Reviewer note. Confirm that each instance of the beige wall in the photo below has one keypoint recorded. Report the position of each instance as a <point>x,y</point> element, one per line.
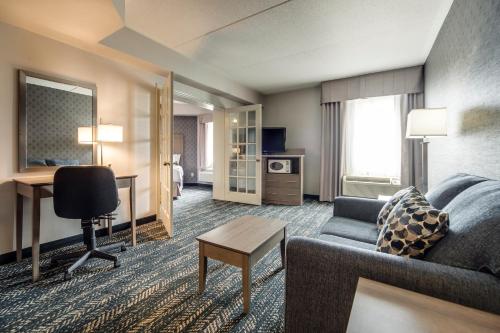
<point>125,96</point>
<point>300,112</point>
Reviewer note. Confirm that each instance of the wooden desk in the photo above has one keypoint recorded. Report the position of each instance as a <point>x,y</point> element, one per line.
<point>383,308</point>
<point>35,188</point>
<point>242,243</point>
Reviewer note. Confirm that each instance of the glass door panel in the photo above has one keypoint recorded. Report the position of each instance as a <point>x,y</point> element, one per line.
<point>252,151</point>
<point>242,185</point>
<point>242,152</point>
<point>251,118</point>
<point>252,135</point>
<point>243,182</point>
<point>233,181</point>
<point>242,169</point>
<point>251,186</point>
<point>233,169</point>
<point>242,135</point>
<point>251,169</point>
<point>242,120</point>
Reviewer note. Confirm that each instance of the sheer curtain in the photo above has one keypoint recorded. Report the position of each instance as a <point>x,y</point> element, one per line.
<point>373,137</point>
<point>332,140</point>
<point>209,146</point>
<point>205,142</point>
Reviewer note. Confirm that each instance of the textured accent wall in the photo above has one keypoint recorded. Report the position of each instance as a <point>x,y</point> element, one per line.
<point>53,118</point>
<point>462,73</point>
<point>188,127</point>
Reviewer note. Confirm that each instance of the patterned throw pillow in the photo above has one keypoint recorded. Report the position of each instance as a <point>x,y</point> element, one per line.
<point>412,227</point>
<point>389,205</point>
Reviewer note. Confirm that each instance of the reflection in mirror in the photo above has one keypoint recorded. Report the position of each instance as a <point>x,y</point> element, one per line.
<point>54,116</point>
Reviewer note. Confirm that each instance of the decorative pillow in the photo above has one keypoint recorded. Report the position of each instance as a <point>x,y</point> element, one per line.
<point>389,205</point>
<point>412,227</point>
<point>176,158</point>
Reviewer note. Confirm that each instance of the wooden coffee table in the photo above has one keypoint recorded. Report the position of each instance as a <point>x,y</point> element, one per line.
<point>242,243</point>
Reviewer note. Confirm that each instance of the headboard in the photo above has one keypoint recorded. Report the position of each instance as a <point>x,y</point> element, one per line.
<point>179,145</point>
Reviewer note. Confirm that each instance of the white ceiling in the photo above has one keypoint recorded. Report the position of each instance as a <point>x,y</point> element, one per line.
<point>232,45</point>
<point>186,109</point>
<point>276,45</point>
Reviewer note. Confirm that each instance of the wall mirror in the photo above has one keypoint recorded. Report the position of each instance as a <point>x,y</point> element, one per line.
<point>57,121</point>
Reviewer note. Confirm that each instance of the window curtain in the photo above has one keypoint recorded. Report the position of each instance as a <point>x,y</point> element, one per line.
<point>202,120</point>
<point>332,146</point>
<point>411,149</point>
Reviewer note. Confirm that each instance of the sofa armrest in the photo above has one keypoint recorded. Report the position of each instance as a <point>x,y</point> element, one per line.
<point>363,209</point>
<point>321,280</point>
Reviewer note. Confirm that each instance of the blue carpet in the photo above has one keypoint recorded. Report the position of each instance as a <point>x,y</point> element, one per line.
<point>155,289</point>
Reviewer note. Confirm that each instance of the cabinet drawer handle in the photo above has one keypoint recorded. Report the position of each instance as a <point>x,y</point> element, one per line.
<point>291,195</point>
<point>291,181</point>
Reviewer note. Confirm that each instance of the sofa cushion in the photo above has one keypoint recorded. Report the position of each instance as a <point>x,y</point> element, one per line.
<point>413,227</point>
<point>444,192</point>
<point>346,241</point>
<point>389,205</point>
<point>353,229</point>
<point>473,241</point>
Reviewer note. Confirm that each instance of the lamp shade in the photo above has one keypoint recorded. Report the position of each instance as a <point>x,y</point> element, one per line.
<point>426,123</point>
<point>85,135</point>
<point>109,133</point>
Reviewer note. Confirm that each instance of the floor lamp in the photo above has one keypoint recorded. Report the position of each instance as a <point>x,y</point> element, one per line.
<point>424,124</point>
<point>108,133</point>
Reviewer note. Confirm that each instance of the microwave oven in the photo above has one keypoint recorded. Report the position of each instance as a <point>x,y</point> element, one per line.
<point>279,165</point>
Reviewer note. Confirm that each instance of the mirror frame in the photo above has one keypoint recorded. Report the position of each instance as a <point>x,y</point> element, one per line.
<point>22,118</point>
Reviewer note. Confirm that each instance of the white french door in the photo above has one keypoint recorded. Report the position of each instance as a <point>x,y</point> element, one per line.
<point>242,151</point>
<point>165,144</point>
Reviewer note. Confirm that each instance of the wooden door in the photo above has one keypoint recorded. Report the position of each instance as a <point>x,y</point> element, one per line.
<point>243,176</point>
<point>165,144</point>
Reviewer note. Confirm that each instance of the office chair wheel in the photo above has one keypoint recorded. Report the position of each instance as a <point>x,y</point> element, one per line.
<point>117,264</point>
<point>123,248</point>
<point>68,276</point>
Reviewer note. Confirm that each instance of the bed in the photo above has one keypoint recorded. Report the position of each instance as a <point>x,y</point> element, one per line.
<point>177,170</point>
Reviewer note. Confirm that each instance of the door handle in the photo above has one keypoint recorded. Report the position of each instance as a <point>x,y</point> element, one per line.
<point>166,164</point>
<point>257,160</point>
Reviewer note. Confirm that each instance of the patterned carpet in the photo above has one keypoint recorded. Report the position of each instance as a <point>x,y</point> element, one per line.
<point>155,289</point>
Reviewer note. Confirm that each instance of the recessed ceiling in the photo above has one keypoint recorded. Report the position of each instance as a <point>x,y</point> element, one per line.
<point>274,46</point>
<point>174,22</point>
<point>186,109</point>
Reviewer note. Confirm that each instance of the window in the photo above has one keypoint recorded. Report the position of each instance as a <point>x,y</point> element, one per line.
<point>209,146</point>
<point>373,137</point>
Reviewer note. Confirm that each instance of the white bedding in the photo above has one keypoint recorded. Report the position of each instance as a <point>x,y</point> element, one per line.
<point>178,174</point>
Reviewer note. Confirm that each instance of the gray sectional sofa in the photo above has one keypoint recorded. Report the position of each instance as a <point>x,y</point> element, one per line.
<point>464,267</point>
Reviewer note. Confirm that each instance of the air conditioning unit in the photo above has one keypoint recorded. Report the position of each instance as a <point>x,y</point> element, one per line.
<point>369,187</point>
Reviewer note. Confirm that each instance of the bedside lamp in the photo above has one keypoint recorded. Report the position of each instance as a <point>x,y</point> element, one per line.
<point>108,133</point>
<point>424,124</point>
<point>85,135</point>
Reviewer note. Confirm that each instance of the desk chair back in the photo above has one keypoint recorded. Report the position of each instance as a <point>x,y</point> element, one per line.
<point>84,192</point>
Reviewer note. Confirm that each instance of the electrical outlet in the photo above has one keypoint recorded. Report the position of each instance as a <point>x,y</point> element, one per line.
<point>192,174</point>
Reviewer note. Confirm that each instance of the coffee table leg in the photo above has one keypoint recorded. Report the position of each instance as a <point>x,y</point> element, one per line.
<point>247,283</point>
<point>203,269</point>
<point>282,247</point>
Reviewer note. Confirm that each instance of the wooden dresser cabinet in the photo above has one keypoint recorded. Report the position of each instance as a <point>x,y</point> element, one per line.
<point>284,188</point>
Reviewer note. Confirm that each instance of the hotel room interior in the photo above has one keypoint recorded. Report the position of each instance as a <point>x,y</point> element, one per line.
<point>250,166</point>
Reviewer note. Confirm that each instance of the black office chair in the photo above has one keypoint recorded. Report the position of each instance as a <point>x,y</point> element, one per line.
<point>86,193</point>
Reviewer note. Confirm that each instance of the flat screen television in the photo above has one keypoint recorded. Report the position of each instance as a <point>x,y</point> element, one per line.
<point>273,139</point>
